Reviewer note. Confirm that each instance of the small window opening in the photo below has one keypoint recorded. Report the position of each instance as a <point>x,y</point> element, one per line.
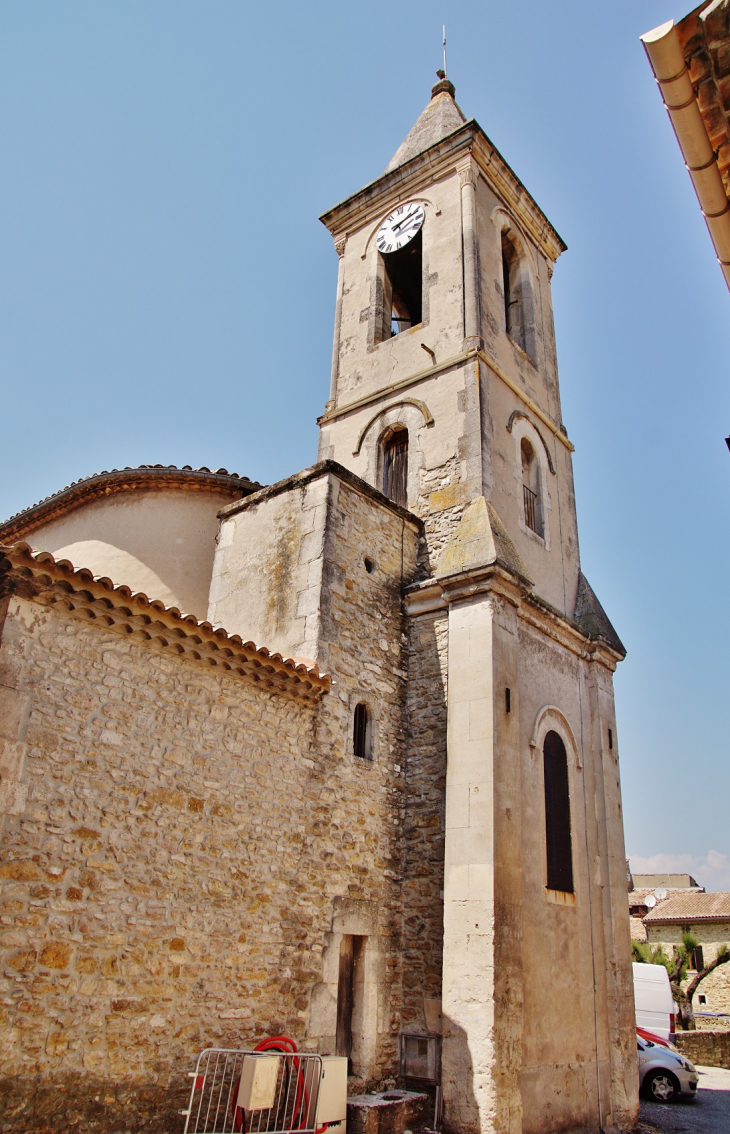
<point>403,287</point>
<point>395,467</point>
<point>610,740</point>
<point>702,996</point>
<point>361,732</point>
<point>531,500</point>
<point>369,565</point>
<point>518,305</point>
<point>507,700</point>
<point>557,815</point>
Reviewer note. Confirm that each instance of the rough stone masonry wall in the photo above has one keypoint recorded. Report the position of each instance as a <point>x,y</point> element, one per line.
<point>362,644</point>
<point>708,1049</point>
<point>423,867</point>
<point>170,883</point>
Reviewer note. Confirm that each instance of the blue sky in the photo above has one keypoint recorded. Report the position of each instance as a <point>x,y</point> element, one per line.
<point>168,292</point>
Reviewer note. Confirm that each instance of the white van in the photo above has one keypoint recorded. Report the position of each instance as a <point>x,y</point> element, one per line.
<point>653,1000</point>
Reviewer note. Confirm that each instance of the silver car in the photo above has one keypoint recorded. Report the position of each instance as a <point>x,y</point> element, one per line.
<point>664,1074</point>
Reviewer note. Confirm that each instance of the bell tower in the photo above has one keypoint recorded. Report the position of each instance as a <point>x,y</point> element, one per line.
<point>444,334</point>
<point>444,396</point>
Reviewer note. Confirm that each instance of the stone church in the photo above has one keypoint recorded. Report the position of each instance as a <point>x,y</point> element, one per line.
<point>334,757</point>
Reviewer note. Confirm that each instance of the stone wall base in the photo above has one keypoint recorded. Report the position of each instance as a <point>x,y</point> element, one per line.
<point>709,1049</point>
<point>84,1103</point>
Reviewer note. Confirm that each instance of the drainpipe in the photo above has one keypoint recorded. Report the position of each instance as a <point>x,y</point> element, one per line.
<point>670,71</point>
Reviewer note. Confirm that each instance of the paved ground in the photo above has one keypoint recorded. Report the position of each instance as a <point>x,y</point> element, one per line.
<point>709,1113</point>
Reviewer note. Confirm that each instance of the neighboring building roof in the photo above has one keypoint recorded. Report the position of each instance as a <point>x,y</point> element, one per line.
<point>705,38</point>
<point>691,64</point>
<point>104,484</point>
<point>440,118</point>
<point>689,908</point>
<point>118,609</point>
<point>669,881</point>
<point>638,896</point>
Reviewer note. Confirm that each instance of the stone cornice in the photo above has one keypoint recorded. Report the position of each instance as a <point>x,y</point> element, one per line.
<point>430,372</point>
<point>105,484</point>
<point>323,468</point>
<point>439,593</point>
<point>435,163</point>
<point>116,609</point>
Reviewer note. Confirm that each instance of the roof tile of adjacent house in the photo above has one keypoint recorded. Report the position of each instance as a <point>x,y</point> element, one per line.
<point>692,907</point>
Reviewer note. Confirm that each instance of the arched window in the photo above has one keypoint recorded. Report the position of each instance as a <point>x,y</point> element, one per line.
<point>557,814</point>
<point>518,306</point>
<point>531,489</point>
<point>401,273</point>
<point>362,732</point>
<point>395,466</point>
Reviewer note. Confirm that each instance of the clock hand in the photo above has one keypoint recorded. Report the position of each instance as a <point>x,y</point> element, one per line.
<point>405,219</point>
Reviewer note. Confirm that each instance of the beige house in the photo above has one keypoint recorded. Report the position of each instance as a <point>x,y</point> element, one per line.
<point>707,918</point>
<point>648,890</point>
<point>336,757</point>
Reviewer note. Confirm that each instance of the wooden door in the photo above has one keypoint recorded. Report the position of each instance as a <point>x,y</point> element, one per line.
<point>345,996</point>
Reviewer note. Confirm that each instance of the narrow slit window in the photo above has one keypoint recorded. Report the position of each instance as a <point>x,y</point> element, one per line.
<point>511,285</point>
<point>403,287</point>
<point>557,815</point>
<point>531,494</point>
<point>518,301</point>
<point>361,737</point>
<point>395,467</point>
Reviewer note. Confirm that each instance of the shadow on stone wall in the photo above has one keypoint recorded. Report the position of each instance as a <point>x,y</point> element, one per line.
<point>461,1113</point>
<point>78,1101</point>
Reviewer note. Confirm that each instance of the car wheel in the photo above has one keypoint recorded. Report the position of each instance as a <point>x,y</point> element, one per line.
<point>661,1086</point>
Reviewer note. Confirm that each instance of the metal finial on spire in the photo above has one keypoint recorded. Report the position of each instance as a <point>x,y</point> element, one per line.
<point>444,39</point>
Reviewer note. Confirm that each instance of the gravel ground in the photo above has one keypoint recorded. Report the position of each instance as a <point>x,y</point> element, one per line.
<point>709,1113</point>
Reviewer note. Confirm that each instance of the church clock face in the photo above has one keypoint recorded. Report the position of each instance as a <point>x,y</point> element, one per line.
<point>400,227</point>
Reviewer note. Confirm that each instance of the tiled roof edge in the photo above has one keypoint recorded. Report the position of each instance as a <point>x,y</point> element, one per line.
<point>57,582</point>
<point>120,480</point>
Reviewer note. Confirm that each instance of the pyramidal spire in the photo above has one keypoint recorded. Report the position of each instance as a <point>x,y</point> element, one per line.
<point>441,117</point>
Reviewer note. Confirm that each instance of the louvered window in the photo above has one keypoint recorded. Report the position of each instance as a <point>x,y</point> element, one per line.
<point>395,467</point>
<point>557,815</point>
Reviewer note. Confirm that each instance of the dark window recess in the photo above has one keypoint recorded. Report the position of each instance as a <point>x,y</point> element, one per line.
<point>557,815</point>
<point>507,700</point>
<point>531,488</point>
<point>369,565</point>
<point>348,987</point>
<point>610,740</point>
<point>698,959</point>
<point>395,467</point>
<point>519,307</point>
<point>361,733</point>
<point>510,283</point>
<point>404,286</point>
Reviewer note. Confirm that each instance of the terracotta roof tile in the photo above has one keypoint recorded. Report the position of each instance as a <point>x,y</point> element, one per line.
<point>119,480</point>
<point>59,583</point>
<point>690,907</point>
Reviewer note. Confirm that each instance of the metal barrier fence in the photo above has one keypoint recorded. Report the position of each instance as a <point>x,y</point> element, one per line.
<point>234,1092</point>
